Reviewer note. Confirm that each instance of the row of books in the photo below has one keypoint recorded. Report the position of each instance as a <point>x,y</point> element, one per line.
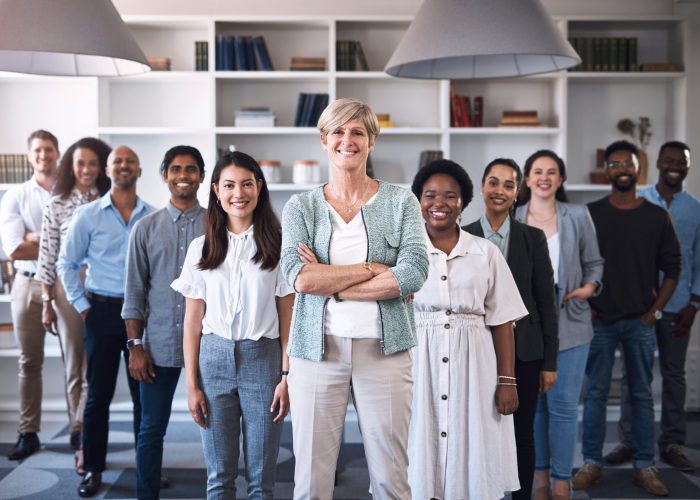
<point>242,53</point>
<point>14,168</point>
<point>512,118</point>
<point>349,56</point>
<point>309,109</point>
<point>606,54</point>
<point>308,64</point>
<point>429,155</point>
<point>462,112</point>
<point>201,56</point>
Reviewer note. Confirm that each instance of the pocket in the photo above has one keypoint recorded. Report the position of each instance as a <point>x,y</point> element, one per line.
<point>391,252</point>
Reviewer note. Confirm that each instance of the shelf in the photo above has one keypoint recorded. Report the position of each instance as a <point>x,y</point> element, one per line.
<point>266,130</point>
<point>505,130</point>
<point>273,75</point>
<point>630,76</point>
<point>163,76</point>
<point>291,187</point>
<point>152,131</point>
<point>410,131</point>
<point>362,75</point>
<point>594,188</point>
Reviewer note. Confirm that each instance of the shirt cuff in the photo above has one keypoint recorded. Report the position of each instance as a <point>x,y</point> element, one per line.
<point>81,304</point>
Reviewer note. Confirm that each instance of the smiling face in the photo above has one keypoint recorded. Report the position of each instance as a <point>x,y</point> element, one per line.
<point>441,202</point>
<point>500,189</point>
<point>673,165</point>
<point>238,191</point>
<point>623,170</point>
<point>86,169</point>
<point>43,156</point>
<point>348,145</point>
<point>123,167</point>
<point>183,177</point>
<point>544,178</point>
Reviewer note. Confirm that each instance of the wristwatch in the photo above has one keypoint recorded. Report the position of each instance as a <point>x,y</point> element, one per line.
<point>45,297</point>
<point>131,343</point>
<point>658,315</point>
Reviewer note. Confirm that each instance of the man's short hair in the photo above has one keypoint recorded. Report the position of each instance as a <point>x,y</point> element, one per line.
<point>621,146</point>
<point>674,145</point>
<point>171,153</point>
<point>43,135</point>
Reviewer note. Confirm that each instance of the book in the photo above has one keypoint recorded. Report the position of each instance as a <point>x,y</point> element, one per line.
<point>632,54</point>
<point>264,63</point>
<point>201,57</point>
<point>14,168</point>
<point>308,64</point>
<point>361,59</point>
<point>159,63</point>
<point>309,109</point>
<point>660,67</point>
<point>427,156</point>
<point>478,111</point>
<point>255,117</point>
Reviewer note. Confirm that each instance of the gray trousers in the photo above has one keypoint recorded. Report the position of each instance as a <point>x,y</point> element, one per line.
<point>672,352</point>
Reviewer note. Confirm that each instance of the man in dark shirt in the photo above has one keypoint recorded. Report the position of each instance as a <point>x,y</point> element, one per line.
<point>637,240</point>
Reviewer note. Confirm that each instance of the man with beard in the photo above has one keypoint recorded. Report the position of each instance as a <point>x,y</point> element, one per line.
<point>673,329</point>
<point>98,236</point>
<point>637,240</point>
<point>154,312</point>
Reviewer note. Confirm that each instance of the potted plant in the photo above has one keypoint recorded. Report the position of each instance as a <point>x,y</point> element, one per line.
<point>640,132</point>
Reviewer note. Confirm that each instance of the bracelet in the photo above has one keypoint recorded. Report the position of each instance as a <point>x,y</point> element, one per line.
<point>506,377</point>
<point>284,373</point>
<point>507,383</point>
<point>368,266</point>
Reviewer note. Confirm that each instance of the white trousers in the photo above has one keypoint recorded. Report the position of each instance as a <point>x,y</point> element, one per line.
<point>381,389</point>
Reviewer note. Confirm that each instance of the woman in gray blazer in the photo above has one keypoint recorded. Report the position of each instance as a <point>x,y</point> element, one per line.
<point>578,271</point>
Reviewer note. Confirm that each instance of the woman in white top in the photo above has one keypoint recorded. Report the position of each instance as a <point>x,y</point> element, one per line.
<point>235,334</point>
<point>462,440</point>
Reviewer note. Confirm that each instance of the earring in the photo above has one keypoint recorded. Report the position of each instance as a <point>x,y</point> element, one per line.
<point>218,201</point>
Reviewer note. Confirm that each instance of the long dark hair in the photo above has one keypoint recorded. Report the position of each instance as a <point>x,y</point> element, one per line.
<point>66,178</point>
<point>267,233</point>
<point>525,194</point>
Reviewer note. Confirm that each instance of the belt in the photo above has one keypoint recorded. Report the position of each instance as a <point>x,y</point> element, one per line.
<point>26,273</point>
<point>104,298</point>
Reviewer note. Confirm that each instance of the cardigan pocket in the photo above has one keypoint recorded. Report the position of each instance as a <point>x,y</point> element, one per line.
<point>391,250</point>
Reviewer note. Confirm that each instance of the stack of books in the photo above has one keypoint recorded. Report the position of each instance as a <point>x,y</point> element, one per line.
<point>308,64</point>
<point>511,118</point>
<point>14,168</point>
<point>385,120</point>
<point>201,56</point>
<point>159,63</point>
<point>242,53</point>
<point>349,56</point>
<point>462,114</point>
<point>309,109</point>
<point>255,117</point>
<point>427,156</point>
<point>606,54</point>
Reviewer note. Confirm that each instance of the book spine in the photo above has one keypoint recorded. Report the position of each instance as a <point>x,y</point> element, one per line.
<point>613,58</point>
<point>453,107</point>
<point>632,55</point>
<point>588,55</point>
<point>466,111</point>
<point>621,54</point>
<point>205,55</point>
<point>597,59</point>
<point>478,111</point>
<point>361,57</point>
<point>605,54</point>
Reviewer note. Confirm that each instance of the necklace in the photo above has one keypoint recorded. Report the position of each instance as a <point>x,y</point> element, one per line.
<point>349,208</point>
<point>531,214</point>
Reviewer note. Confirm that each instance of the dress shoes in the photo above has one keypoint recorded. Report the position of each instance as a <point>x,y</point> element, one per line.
<point>27,443</point>
<point>648,479</point>
<point>673,455</point>
<point>621,453</point>
<point>164,483</point>
<point>90,484</point>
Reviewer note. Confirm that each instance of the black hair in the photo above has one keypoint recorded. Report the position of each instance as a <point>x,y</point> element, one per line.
<point>171,153</point>
<point>446,167</point>
<point>268,230</point>
<point>524,194</point>
<point>675,145</point>
<point>508,163</point>
<point>621,146</point>
<point>65,181</point>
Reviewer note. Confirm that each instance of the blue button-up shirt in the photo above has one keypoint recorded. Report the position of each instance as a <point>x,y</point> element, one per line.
<point>685,213</point>
<point>157,250</point>
<point>98,236</point>
<point>499,238</point>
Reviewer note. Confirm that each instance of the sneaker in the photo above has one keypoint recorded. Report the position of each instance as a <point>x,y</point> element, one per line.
<point>673,455</point>
<point>27,443</point>
<point>586,476</point>
<point>647,479</point>
<point>621,453</point>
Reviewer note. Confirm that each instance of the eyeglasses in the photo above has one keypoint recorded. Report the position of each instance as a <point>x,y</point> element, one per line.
<point>615,165</point>
<point>669,162</point>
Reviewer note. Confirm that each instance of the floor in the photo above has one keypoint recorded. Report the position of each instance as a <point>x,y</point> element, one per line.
<point>49,474</point>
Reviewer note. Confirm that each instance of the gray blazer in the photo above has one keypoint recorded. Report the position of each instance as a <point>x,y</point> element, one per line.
<point>579,263</point>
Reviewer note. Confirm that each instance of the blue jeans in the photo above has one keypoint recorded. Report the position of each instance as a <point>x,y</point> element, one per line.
<point>156,403</point>
<point>238,379</point>
<point>556,419</point>
<point>638,344</point>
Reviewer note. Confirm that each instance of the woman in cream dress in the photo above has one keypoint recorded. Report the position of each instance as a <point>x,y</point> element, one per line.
<point>461,441</point>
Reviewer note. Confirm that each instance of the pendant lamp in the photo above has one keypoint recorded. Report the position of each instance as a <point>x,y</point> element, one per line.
<point>469,39</point>
<point>67,38</point>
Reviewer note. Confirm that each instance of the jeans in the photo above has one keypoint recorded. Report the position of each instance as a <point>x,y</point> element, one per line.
<point>638,344</point>
<point>528,375</point>
<point>156,403</point>
<point>672,353</point>
<point>105,344</point>
<point>556,419</point>
<point>238,379</point>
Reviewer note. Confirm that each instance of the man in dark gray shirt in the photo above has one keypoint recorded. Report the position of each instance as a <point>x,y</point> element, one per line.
<point>154,312</point>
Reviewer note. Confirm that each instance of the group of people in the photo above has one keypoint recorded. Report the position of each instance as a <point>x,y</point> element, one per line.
<point>464,349</point>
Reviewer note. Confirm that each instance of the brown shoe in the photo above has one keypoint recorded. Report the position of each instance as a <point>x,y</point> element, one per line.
<point>673,455</point>
<point>586,476</point>
<point>647,479</point>
<point>621,453</point>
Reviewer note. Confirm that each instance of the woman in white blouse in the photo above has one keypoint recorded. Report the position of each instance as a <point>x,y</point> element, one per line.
<point>235,334</point>
<point>81,178</point>
<point>462,440</point>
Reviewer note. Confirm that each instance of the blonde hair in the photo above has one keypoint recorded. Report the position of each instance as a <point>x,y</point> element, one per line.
<point>341,111</point>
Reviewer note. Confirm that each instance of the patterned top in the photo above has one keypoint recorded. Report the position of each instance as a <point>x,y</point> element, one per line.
<point>57,214</point>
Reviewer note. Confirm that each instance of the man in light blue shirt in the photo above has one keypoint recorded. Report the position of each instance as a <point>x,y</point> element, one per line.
<point>673,329</point>
<point>98,236</point>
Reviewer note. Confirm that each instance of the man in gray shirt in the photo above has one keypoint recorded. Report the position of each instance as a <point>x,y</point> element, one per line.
<point>154,312</point>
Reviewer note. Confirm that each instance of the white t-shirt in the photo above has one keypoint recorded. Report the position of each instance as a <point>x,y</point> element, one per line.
<point>239,295</point>
<point>350,318</point>
<point>553,247</point>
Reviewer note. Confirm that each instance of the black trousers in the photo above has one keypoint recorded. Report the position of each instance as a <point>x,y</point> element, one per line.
<point>105,344</point>
<point>527,374</point>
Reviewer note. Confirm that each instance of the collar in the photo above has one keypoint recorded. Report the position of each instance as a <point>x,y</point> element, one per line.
<point>467,243</point>
<point>175,213</point>
<point>657,196</point>
<point>503,231</point>
<point>35,184</point>
<point>106,201</point>
<point>92,192</point>
<point>242,236</point>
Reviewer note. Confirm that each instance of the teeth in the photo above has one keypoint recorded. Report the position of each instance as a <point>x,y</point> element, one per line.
<point>674,174</point>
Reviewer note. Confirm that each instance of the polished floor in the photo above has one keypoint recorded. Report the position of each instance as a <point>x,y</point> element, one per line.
<point>49,474</point>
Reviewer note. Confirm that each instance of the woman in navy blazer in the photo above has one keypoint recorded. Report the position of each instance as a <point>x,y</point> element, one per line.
<point>536,340</point>
<point>578,271</point>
